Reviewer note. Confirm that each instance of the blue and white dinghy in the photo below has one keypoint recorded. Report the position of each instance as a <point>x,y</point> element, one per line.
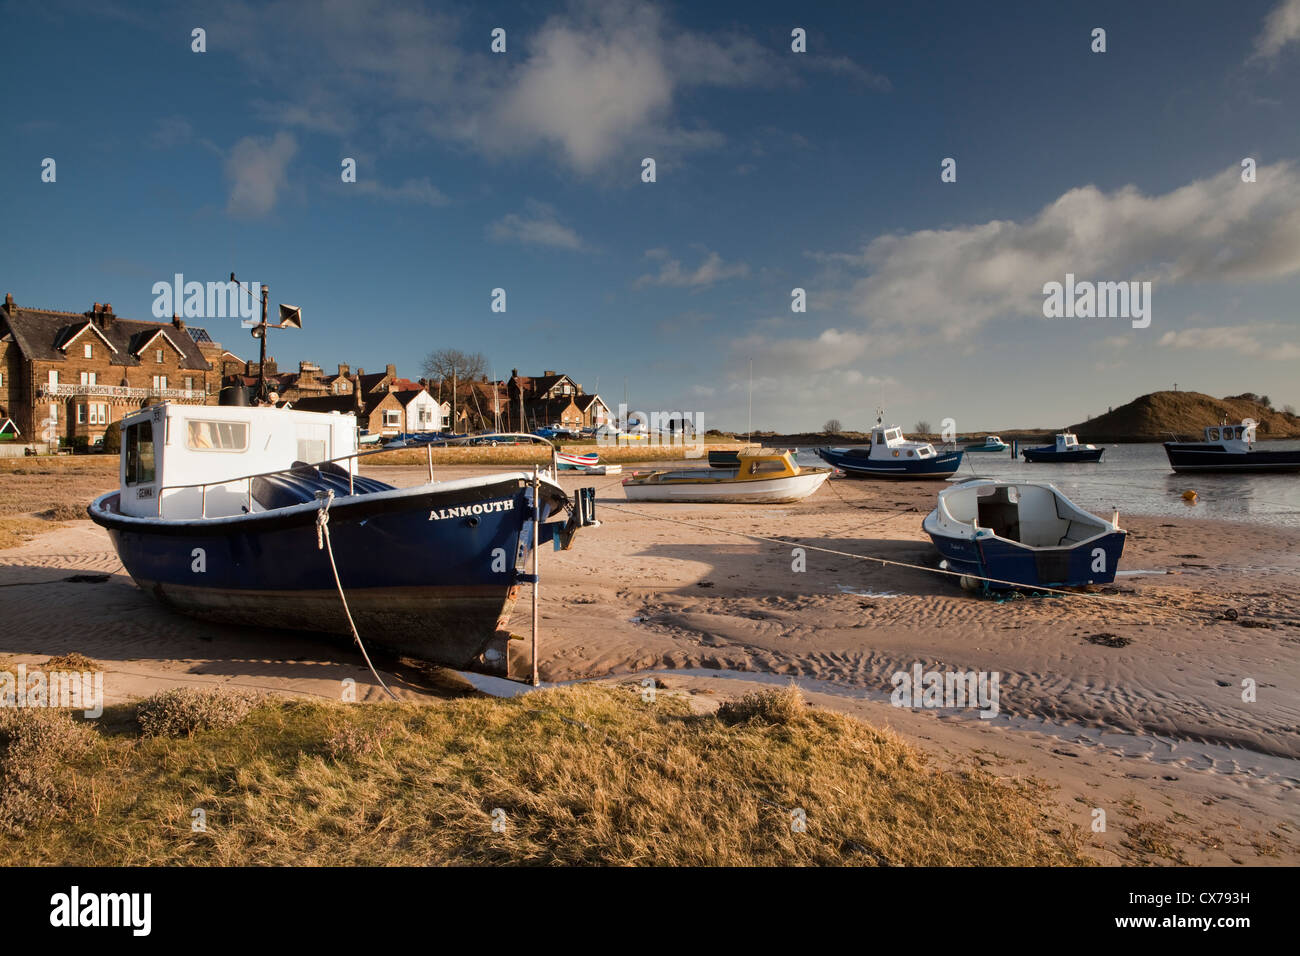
<point>234,513</point>
<point>1004,534</point>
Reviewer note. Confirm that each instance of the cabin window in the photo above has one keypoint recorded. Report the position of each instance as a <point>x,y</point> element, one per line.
<point>216,436</point>
<point>87,351</point>
<point>139,454</point>
<point>766,467</point>
<point>880,438</point>
<point>1214,434</point>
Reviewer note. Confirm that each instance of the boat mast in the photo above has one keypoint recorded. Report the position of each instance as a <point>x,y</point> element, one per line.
<point>749,421</point>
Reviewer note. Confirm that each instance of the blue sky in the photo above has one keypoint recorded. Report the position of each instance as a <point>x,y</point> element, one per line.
<point>775,170</point>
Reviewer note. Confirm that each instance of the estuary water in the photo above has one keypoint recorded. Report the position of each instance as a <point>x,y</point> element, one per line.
<point>1137,479</point>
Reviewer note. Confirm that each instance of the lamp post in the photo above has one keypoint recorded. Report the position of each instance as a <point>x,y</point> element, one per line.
<point>290,318</point>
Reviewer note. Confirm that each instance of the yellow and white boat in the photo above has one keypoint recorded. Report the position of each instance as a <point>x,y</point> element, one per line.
<point>761,478</point>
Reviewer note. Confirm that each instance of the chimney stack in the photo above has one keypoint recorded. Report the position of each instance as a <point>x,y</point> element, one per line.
<point>391,370</point>
<point>178,323</point>
<point>9,303</point>
<point>549,372</point>
<point>343,370</point>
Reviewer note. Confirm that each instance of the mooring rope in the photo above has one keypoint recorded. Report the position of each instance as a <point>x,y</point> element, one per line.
<point>323,541</point>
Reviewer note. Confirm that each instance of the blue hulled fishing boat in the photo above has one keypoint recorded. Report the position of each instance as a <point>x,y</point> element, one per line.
<point>1230,448</point>
<point>890,455</point>
<point>1004,534</point>
<point>1066,449</point>
<point>242,515</point>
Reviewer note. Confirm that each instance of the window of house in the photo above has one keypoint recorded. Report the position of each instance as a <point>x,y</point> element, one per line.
<point>87,351</point>
<point>189,383</point>
<point>81,414</point>
<point>158,355</point>
<point>2,379</point>
<point>89,378</point>
<point>159,382</point>
<point>392,419</point>
<point>216,436</point>
<point>139,454</point>
<point>54,376</point>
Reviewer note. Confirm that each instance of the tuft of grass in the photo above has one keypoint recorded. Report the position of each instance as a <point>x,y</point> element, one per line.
<point>72,661</point>
<point>183,711</point>
<point>784,706</point>
<point>64,511</point>
<point>585,775</point>
<point>35,746</point>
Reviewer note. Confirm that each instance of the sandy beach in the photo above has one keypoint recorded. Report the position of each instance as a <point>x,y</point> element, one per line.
<point>1128,699</point>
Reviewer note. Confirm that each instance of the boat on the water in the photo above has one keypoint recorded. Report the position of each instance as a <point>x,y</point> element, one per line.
<point>1230,448</point>
<point>1001,535</point>
<point>586,464</point>
<point>1066,449</point>
<point>759,478</point>
<point>222,514</point>
<point>991,443</point>
<point>890,455</point>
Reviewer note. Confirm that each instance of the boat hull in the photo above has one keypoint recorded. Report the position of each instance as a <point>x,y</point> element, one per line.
<point>1196,457</point>
<point>999,564</point>
<point>428,572</point>
<point>786,488</point>
<point>985,448</point>
<point>860,466</point>
<point>1050,455</point>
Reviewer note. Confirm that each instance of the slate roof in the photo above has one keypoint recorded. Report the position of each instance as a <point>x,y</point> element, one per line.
<point>39,332</point>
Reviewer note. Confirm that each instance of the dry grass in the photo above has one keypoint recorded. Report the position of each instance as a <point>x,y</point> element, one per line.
<point>72,661</point>
<point>582,775</point>
<point>35,746</point>
<point>16,531</point>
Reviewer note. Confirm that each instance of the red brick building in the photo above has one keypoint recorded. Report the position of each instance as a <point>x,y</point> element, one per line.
<point>68,375</point>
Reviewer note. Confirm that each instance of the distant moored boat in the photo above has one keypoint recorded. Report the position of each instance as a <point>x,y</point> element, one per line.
<point>890,455</point>
<point>1230,448</point>
<point>1066,449</point>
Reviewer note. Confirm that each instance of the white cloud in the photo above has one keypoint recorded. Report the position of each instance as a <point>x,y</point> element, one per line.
<point>420,191</point>
<point>539,225</point>
<point>712,269</point>
<point>257,170</point>
<point>1243,340</point>
<point>1281,26</point>
<point>599,83</point>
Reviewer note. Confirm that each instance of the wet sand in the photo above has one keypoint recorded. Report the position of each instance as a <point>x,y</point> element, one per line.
<point>1128,699</point>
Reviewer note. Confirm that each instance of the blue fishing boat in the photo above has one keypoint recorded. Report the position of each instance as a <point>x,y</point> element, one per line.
<point>1230,448</point>
<point>1066,449</point>
<point>1006,534</point>
<point>243,515</point>
<point>991,443</point>
<point>890,455</point>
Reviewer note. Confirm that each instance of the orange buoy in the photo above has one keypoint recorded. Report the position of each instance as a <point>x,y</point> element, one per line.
<point>1189,495</point>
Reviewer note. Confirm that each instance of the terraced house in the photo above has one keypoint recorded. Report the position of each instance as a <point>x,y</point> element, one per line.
<point>65,376</point>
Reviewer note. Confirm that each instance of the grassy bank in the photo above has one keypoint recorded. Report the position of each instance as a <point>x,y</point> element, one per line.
<point>581,775</point>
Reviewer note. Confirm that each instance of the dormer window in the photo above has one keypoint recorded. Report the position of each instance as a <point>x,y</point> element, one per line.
<point>88,351</point>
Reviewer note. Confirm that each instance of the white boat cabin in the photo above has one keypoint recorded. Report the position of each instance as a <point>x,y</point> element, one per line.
<point>1235,438</point>
<point>178,460</point>
<point>1034,514</point>
<point>887,441</point>
<point>1068,441</point>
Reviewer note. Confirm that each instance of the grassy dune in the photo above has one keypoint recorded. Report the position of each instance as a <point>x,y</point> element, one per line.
<point>582,775</point>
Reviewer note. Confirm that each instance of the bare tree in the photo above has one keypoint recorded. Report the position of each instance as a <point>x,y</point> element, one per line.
<point>922,427</point>
<point>455,368</point>
<point>832,427</point>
